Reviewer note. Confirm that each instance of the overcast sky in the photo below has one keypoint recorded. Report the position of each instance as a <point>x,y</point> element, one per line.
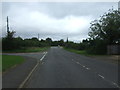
<point>54,20</point>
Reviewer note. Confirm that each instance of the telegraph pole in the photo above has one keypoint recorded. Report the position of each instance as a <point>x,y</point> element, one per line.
<point>7,25</point>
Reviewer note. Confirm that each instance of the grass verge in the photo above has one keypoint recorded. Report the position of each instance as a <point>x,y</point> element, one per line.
<point>27,50</point>
<point>9,61</point>
<point>83,52</point>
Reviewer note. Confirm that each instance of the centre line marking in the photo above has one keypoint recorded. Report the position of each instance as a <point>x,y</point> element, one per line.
<point>77,62</point>
<point>101,76</point>
<point>115,84</point>
<point>83,66</point>
<point>88,68</point>
<point>43,56</point>
<point>80,64</point>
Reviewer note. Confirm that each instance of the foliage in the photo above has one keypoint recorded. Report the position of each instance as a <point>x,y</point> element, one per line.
<point>8,41</point>
<point>107,28</point>
<point>104,32</point>
<point>18,44</point>
<point>72,45</point>
<point>96,47</point>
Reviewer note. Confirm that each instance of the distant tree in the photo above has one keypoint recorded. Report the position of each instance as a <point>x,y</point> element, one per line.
<point>32,42</point>
<point>8,41</point>
<point>34,39</point>
<point>84,44</point>
<point>42,40</point>
<point>61,42</point>
<point>49,41</point>
<point>18,43</point>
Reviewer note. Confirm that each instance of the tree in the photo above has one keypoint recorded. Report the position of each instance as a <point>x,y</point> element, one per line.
<point>49,41</point>
<point>104,31</point>
<point>34,39</point>
<point>8,41</point>
<point>10,35</point>
<point>107,28</point>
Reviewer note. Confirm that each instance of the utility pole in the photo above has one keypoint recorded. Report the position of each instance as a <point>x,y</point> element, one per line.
<point>7,25</point>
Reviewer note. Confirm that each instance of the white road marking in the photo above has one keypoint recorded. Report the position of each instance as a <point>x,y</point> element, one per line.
<point>83,66</point>
<point>88,68</point>
<point>43,56</point>
<point>77,62</point>
<point>101,76</point>
<point>29,75</point>
<point>115,84</point>
<point>80,64</point>
<point>23,83</point>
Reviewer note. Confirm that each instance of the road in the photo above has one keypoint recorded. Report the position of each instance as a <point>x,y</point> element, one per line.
<point>63,69</point>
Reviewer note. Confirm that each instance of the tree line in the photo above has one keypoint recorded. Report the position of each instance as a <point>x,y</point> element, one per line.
<point>104,31</point>
<point>12,43</point>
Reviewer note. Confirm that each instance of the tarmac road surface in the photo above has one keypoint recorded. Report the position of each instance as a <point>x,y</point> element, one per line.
<point>63,69</point>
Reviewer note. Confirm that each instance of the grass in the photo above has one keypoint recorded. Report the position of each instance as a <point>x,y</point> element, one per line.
<point>28,49</point>
<point>9,61</point>
<point>82,52</point>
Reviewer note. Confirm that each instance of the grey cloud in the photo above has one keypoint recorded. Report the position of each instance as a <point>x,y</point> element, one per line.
<point>55,20</point>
